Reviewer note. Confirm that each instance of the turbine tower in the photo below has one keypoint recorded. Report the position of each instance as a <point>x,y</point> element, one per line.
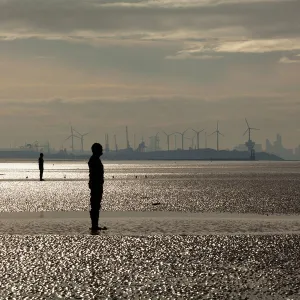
<point>182,138</point>
<point>218,133</point>
<point>197,133</point>
<point>81,138</point>
<point>250,144</point>
<point>154,142</point>
<point>107,143</point>
<point>72,138</point>
<point>127,139</point>
<point>156,145</point>
<point>116,145</point>
<point>192,141</point>
<point>168,138</point>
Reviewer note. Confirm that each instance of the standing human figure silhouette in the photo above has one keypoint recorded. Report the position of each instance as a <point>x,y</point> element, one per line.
<point>41,166</point>
<point>96,181</point>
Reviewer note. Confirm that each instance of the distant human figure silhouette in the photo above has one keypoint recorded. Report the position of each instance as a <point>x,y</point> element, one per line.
<point>41,166</point>
<point>96,181</point>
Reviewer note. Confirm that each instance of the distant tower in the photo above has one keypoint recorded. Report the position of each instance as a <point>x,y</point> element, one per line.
<point>106,143</point>
<point>168,138</point>
<point>127,139</point>
<point>156,142</point>
<point>48,146</point>
<point>116,145</point>
<point>250,144</point>
<point>198,138</point>
<point>72,138</point>
<point>218,133</point>
<point>153,143</point>
<point>182,138</point>
<point>81,136</point>
<point>134,141</point>
<point>141,147</point>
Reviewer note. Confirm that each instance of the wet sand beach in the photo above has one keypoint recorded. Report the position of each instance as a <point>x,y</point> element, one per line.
<point>216,233</point>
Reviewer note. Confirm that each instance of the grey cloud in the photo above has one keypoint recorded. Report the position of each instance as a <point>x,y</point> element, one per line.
<point>93,18</point>
<point>183,56</point>
<point>290,60</point>
<point>243,46</point>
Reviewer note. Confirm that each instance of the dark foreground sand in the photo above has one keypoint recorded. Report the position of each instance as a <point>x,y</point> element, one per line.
<point>155,267</point>
<point>149,256</point>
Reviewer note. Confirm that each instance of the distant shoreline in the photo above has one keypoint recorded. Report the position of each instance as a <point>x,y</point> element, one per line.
<point>124,160</point>
<point>130,155</point>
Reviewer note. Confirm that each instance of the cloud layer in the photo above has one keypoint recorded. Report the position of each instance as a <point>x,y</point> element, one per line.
<point>143,20</point>
<point>180,61</point>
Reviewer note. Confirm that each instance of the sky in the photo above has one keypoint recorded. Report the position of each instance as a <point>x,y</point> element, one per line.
<point>152,65</point>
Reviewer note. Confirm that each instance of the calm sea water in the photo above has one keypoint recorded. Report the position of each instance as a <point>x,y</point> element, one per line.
<point>48,266</point>
<point>243,187</point>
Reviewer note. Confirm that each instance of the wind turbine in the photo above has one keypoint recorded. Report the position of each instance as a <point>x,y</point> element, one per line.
<point>249,130</point>
<point>156,141</point>
<point>250,144</point>
<point>81,138</point>
<point>197,133</point>
<point>168,138</point>
<point>182,137</point>
<point>116,145</point>
<point>192,140</point>
<point>218,133</point>
<point>72,138</point>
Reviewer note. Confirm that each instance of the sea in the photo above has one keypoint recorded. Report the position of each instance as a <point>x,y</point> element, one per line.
<point>176,230</point>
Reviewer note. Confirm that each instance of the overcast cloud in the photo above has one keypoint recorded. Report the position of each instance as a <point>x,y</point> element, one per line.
<point>166,64</point>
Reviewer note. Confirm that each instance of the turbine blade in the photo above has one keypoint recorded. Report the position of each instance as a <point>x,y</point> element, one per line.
<point>247,123</point>
<point>186,130</point>
<point>67,138</point>
<point>76,131</point>
<point>246,131</point>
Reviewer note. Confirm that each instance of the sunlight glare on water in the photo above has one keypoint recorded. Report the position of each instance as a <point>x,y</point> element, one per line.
<point>242,187</point>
